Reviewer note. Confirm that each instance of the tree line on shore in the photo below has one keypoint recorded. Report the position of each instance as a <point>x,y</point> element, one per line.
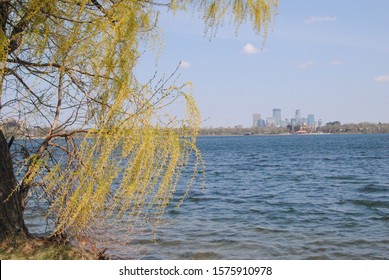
<point>332,127</point>
<point>14,128</point>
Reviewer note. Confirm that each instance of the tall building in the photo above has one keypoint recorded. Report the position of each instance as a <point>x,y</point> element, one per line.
<point>256,118</point>
<point>298,116</point>
<point>277,116</point>
<point>311,120</point>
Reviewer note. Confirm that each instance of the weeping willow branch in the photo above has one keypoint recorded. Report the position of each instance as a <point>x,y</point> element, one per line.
<point>111,150</point>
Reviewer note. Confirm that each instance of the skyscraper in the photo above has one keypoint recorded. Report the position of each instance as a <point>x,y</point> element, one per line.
<point>277,116</point>
<point>311,120</point>
<point>298,116</point>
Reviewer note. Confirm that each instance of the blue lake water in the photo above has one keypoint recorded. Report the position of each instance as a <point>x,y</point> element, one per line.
<point>279,197</point>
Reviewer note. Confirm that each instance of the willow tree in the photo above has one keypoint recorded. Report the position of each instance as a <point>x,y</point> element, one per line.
<point>109,150</point>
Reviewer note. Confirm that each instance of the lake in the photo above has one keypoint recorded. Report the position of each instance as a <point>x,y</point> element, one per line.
<point>278,197</point>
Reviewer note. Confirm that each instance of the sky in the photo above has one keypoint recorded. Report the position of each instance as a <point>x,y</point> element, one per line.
<point>329,58</point>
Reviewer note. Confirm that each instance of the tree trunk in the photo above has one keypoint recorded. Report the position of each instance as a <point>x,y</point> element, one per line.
<point>11,214</point>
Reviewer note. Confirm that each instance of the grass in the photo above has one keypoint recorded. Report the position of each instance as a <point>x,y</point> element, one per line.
<point>37,248</point>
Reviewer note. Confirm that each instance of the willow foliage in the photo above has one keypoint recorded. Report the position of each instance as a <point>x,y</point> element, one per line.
<point>110,149</point>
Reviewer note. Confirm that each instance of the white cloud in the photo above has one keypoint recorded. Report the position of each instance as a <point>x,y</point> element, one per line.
<point>250,49</point>
<point>315,19</point>
<point>382,78</point>
<point>306,65</point>
<point>336,62</point>
<point>185,64</point>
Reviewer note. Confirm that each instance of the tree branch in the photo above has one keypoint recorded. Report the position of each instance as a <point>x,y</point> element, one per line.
<point>4,13</point>
<point>17,35</point>
<point>103,10</point>
<point>52,64</point>
<point>30,90</point>
<point>59,102</point>
<point>98,6</point>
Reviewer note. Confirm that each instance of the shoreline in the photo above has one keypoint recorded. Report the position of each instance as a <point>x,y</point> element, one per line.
<point>286,134</point>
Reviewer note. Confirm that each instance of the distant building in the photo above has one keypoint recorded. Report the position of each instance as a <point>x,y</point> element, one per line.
<point>261,123</point>
<point>298,116</point>
<point>311,120</point>
<point>256,118</point>
<point>270,122</point>
<point>277,116</point>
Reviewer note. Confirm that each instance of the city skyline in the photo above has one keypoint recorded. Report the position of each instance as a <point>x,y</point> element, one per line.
<point>327,57</point>
<point>278,121</point>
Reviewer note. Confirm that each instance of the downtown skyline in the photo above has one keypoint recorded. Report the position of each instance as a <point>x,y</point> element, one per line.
<point>277,120</point>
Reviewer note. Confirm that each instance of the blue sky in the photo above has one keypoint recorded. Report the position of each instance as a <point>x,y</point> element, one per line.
<point>329,58</point>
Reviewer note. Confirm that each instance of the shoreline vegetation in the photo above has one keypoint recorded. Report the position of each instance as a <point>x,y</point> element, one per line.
<point>41,248</point>
<point>330,128</point>
<point>20,132</point>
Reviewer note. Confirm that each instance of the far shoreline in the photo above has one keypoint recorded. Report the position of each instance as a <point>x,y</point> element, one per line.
<point>330,128</point>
